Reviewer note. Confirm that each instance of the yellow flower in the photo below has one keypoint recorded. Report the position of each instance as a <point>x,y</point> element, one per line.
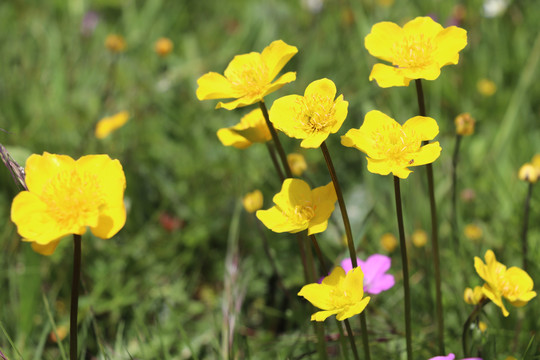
<point>115,43</point>
<point>486,87</point>
<point>248,78</point>
<point>163,46</point>
<point>513,284</point>
<point>473,232</point>
<point>392,148</point>
<point>473,297</point>
<point>251,129</point>
<point>65,196</point>
<point>464,124</point>
<point>311,117</point>
<point>253,201</point>
<point>297,163</point>
<point>388,242</point>
<point>109,124</point>
<point>417,51</point>
<point>536,162</point>
<point>482,326</point>
<point>419,238</point>
<point>299,208</point>
<point>339,293</point>
<point>529,173</point>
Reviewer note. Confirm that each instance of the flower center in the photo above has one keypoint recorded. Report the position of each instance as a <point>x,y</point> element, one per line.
<point>251,79</point>
<point>413,51</point>
<point>340,298</point>
<point>394,142</point>
<point>73,199</point>
<point>316,113</point>
<point>302,214</point>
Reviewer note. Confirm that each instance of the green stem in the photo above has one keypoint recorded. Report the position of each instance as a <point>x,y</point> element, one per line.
<point>350,242</point>
<point>74,297</point>
<point>455,230</point>
<point>467,325</point>
<point>275,137</point>
<point>350,335</point>
<point>526,226</point>
<point>272,153</point>
<point>319,254</point>
<point>434,230</point>
<point>405,267</point>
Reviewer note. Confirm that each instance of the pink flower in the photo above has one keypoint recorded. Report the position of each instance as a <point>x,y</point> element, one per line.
<point>451,357</point>
<point>375,267</point>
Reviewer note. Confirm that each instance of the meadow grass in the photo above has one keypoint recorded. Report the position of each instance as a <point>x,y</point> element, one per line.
<point>150,293</point>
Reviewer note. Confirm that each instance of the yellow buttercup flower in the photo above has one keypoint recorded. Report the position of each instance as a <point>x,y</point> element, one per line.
<point>115,43</point>
<point>486,87</point>
<point>482,326</point>
<point>473,296</point>
<point>339,293</point>
<point>163,46</point>
<point>417,51</point>
<point>66,196</point>
<point>419,238</point>
<point>297,163</point>
<point>529,173</point>
<point>251,129</point>
<point>392,148</point>
<point>513,284</point>
<point>299,208</point>
<point>253,201</point>
<point>388,242</point>
<point>311,117</point>
<point>248,77</point>
<point>464,124</point>
<point>473,232</point>
<point>109,124</point>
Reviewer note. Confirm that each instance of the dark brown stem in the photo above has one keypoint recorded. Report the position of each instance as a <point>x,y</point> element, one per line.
<point>74,297</point>
<point>275,137</point>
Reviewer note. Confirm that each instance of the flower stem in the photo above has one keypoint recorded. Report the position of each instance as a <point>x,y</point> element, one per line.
<point>525,226</point>
<point>275,137</point>
<point>350,242</point>
<point>434,230</point>
<point>467,325</point>
<point>319,253</point>
<point>272,153</point>
<point>405,267</point>
<point>455,230</point>
<point>74,297</point>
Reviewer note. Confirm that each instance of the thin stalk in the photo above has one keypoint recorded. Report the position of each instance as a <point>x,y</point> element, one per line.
<point>272,153</point>
<point>467,325</point>
<point>455,157</point>
<point>350,242</point>
<point>526,226</point>
<point>350,333</point>
<point>74,297</point>
<point>434,230</point>
<point>319,327</point>
<point>275,137</point>
<point>405,268</point>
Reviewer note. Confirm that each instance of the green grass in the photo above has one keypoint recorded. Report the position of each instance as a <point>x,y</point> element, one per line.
<point>151,294</point>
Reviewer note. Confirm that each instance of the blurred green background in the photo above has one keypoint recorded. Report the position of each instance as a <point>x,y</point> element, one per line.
<point>162,288</point>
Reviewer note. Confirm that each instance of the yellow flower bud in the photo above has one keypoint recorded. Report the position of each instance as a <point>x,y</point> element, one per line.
<point>486,87</point>
<point>482,326</point>
<point>529,173</point>
<point>419,238</point>
<point>388,242</point>
<point>163,46</point>
<point>473,297</point>
<point>297,163</point>
<point>473,232</point>
<point>115,43</point>
<point>464,124</point>
<point>253,201</point>
<point>536,162</point>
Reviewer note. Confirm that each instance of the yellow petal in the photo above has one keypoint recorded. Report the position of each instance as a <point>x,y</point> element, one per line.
<point>323,315</point>
<point>231,137</point>
<point>450,42</point>
<point>214,86</point>
<point>425,126</point>
<point>41,168</point>
<point>278,84</point>
<point>336,276</point>
<point>422,25</point>
<point>275,220</point>
<point>33,221</point>
<point>380,167</point>
<point>324,199</point>
<point>109,124</point>
<point>426,155</point>
<point>317,294</point>
<point>388,76</point>
<point>293,192</point>
<point>353,310</point>
<point>341,113</point>
<point>380,40</point>
<point>321,88</point>
<point>354,283</point>
<point>430,71</point>
<point>240,102</point>
<point>46,249</point>
<point>495,297</point>
<point>283,114</point>
<point>314,140</point>
<point>276,55</point>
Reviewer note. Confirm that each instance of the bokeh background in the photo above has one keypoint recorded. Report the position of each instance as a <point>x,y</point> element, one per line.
<point>190,267</point>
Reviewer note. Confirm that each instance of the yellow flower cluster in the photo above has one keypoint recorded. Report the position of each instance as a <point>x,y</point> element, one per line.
<point>530,172</point>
